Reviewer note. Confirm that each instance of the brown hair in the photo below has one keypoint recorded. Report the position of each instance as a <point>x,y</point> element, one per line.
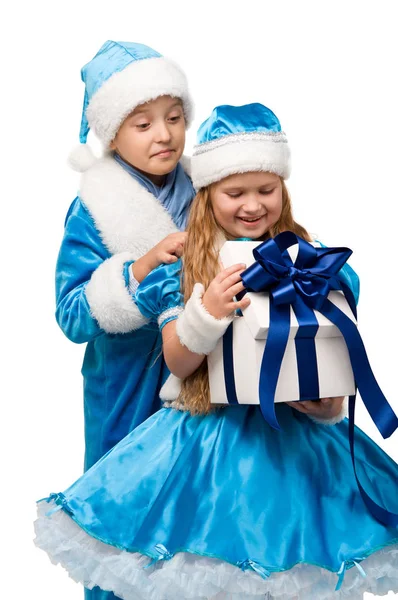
<point>201,265</point>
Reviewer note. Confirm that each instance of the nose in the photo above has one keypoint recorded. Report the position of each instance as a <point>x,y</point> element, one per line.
<point>162,132</point>
<point>252,204</point>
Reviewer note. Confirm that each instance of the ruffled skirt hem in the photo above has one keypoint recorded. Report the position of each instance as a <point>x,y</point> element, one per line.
<point>134,576</point>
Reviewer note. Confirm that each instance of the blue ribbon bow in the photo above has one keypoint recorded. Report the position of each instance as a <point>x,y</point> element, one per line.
<point>343,568</point>
<point>164,554</point>
<point>59,500</point>
<point>247,564</point>
<point>305,286</point>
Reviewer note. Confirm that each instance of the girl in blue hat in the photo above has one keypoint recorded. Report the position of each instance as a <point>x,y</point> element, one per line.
<point>129,217</point>
<point>202,502</point>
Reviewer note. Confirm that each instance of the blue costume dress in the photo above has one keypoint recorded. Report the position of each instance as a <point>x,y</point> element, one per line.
<point>116,219</point>
<point>223,506</point>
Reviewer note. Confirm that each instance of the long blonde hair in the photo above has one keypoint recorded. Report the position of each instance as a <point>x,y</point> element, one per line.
<point>200,264</point>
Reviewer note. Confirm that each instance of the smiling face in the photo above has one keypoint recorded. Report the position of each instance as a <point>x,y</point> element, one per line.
<point>247,204</point>
<point>152,137</point>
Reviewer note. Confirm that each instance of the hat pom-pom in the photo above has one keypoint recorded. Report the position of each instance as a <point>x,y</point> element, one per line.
<point>81,158</point>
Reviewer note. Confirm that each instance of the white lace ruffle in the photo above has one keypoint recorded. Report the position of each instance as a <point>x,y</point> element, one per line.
<point>189,576</point>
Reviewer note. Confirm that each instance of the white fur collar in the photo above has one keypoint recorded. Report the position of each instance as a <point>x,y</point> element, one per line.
<point>128,217</point>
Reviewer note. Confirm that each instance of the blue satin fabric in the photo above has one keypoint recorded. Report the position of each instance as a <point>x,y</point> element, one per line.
<point>122,373</point>
<point>160,291</point>
<point>111,58</point>
<point>230,120</point>
<point>227,485</point>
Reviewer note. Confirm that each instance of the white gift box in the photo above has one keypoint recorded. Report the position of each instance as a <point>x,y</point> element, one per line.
<point>250,332</point>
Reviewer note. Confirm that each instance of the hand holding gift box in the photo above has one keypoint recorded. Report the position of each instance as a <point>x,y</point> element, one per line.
<point>334,373</point>
<point>322,340</point>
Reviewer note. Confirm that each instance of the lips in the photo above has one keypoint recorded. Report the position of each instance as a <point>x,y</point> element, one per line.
<point>251,219</point>
<point>164,153</point>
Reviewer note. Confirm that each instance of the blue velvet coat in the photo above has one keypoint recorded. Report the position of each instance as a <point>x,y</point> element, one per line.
<point>112,222</point>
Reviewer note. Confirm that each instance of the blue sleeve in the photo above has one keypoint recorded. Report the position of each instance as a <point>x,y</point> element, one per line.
<point>159,296</point>
<point>349,276</point>
<point>80,254</point>
<point>91,294</point>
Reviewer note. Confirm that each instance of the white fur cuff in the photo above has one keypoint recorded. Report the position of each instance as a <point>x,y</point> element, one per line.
<point>334,420</point>
<point>197,329</point>
<point>110,302</point>
<point>171,389</point>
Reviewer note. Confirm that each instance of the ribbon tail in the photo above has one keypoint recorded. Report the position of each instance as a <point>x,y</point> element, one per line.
<point>278,335</point>
<point>228,362</point>
<point>360,569</point>
<point>376,404</point>
<point>341,574</point>
<point>381,514</point>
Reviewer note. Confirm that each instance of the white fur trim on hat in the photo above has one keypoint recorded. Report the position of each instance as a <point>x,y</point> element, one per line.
<point>333,420</point>
<point>197,329</point>
<point>140,82</point>
<point>240,153</point>
<point>109,299</point>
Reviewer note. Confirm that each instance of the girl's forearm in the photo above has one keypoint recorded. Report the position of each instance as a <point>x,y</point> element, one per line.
<point>181,361</point>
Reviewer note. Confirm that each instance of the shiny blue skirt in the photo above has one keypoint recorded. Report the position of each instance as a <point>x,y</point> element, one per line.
<point>223,506</point>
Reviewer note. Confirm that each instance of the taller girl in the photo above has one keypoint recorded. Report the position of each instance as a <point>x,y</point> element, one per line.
<point>138,104</point>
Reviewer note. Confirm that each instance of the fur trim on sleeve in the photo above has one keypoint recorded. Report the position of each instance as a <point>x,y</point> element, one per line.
<point>109,299</point>
<point>197,329</point>
<point>171,389</point>
<point>334,420</point>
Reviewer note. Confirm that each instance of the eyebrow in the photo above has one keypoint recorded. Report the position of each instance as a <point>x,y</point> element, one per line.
<point>145,110</point>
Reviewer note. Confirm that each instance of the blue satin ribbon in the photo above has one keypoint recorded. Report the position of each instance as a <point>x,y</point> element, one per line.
<point>381,514</point>
<point>341,572</point>
<point>229,375</point>
<point>247,564</point>
<point>164,554</point>
<point>305,286</point>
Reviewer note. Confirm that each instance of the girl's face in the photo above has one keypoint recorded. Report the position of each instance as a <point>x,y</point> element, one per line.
<point>247,204</point>
<point>152,137</point>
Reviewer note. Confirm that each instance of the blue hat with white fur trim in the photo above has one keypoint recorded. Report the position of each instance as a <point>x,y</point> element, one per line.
<point>121,76</point>
<point>239,139</point>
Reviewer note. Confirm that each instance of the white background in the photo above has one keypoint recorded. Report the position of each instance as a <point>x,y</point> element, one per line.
<point>328,70</point>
